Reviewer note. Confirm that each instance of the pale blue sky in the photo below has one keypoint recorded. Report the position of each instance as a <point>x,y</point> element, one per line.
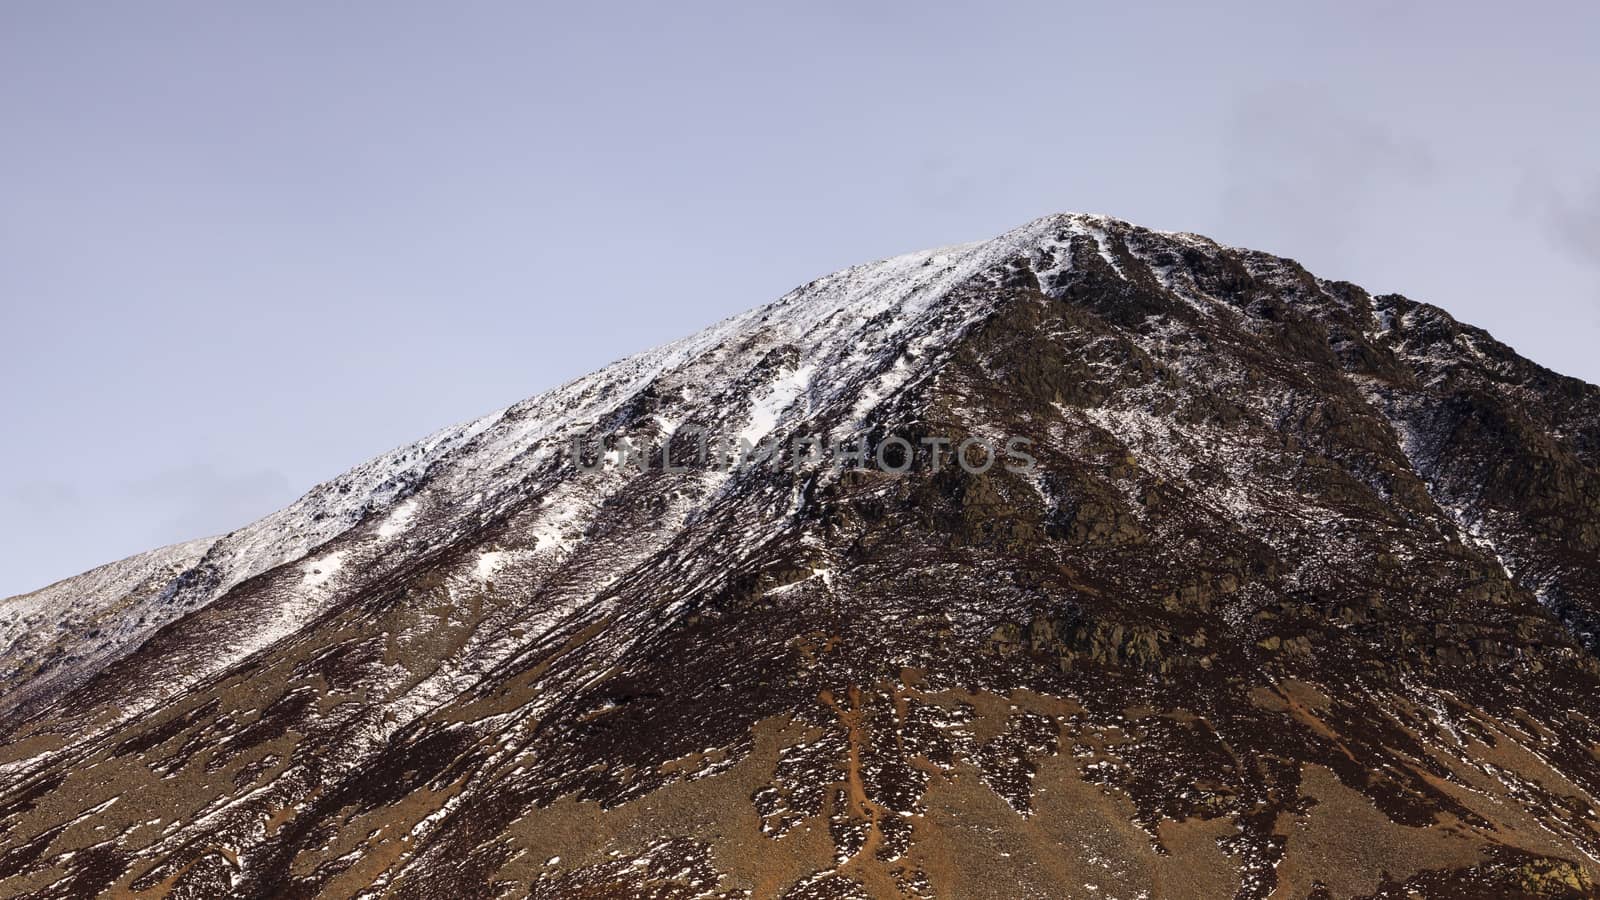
<point>244,247</point>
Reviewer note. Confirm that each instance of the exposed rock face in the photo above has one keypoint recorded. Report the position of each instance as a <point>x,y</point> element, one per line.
<point>1301,597</point>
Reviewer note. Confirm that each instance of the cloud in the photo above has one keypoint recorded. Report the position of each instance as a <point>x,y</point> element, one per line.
<point>52,529</point>
<point>38,499</point>
<point>1571,222</point>
<point>1568,219</point>
<point>200,500</point>
<point>1302,169</point>
<point>942,183</point>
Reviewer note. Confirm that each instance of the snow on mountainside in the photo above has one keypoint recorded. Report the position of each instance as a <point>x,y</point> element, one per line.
<point>1299,600</point>
<point>868,328</point>
<point>49,636</point>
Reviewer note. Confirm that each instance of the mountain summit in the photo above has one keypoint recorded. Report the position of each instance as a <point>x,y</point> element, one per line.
<point>1087,561</point>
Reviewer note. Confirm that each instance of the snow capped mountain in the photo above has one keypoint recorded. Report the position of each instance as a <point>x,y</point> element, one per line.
<point>1300,596</point>
<point>870,328</point>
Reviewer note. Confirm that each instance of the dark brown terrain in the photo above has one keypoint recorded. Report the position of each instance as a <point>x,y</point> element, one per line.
<point>1301,601</point>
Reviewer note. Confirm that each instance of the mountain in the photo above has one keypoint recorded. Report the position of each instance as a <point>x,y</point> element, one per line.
<point>1272,587</point>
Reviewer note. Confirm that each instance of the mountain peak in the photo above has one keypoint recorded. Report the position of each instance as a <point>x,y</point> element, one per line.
<point>1295,594</point>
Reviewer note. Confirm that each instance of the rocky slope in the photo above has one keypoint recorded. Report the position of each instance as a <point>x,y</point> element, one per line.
<point>1299,601</point>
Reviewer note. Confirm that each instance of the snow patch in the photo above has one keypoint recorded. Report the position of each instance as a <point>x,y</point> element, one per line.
<point>770,406</point>
<point>318,571</point>
<point>488,563</point>
<point>399,520</point>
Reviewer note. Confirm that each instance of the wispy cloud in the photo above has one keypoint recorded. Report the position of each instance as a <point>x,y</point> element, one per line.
<point>1304,167</point>
<point>53,529</point>
<point>41,499</point>
<point>201,499</point>
<point>1573,223</point>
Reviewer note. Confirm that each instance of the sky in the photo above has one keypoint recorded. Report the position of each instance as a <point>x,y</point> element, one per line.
<point>244,247</point>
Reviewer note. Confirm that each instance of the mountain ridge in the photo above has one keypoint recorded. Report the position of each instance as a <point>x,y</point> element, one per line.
<point>1291,547</point>
<point>384,480</point>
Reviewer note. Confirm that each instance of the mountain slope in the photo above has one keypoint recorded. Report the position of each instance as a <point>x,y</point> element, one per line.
<point>1300,597</point>
<point>56,635</point>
